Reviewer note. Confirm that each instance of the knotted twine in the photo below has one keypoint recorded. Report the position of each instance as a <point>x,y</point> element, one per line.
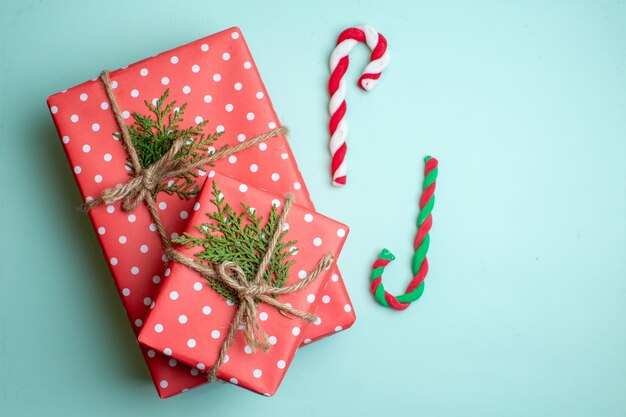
<point>251,292</point>
<point>140,188</point>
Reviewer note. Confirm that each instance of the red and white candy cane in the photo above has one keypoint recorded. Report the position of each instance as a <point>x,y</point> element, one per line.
<point>339,61</point>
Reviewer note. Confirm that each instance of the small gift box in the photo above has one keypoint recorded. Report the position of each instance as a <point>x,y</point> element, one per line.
<point>195,311</point>
<point>216,81</point>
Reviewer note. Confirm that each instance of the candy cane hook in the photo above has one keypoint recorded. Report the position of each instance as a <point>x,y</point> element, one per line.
<point>421,244</point>
<point>339,62</point>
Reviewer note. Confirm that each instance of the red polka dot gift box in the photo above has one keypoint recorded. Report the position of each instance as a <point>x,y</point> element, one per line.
<point>192,318</point>
<point>217,82</point>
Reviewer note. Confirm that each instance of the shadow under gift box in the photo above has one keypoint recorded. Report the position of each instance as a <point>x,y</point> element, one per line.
<point>217,77</point>
<point>190,320</point>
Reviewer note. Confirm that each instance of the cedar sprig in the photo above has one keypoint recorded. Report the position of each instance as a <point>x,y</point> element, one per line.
<point>242,238</point>
<point>153,134</point>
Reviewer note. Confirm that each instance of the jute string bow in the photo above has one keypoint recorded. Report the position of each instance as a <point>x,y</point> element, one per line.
<point>251,292</point>
<point>140,188</point>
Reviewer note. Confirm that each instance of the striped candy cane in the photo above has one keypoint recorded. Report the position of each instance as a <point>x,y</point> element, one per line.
<point>339,62</point>
<point>422,240</point>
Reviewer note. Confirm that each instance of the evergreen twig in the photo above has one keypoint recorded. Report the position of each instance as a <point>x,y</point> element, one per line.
<point>153,134</point>
<point>241,238</point>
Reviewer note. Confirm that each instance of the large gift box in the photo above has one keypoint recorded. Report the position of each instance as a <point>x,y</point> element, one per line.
<point>191,319</point>
<point>216,78</point>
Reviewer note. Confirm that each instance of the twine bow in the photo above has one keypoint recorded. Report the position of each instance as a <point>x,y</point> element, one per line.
<point>251,292</point>
<point>135,191</point>
<point>141,188</point>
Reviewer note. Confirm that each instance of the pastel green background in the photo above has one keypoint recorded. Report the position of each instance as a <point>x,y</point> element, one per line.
<point>524,104</point>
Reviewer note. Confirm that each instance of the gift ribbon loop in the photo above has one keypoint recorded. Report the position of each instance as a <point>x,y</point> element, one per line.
<point>253,291</point>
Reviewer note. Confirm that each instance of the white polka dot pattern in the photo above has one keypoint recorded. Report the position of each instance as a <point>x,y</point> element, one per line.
<point>86,126</point>
<point>180,321</point>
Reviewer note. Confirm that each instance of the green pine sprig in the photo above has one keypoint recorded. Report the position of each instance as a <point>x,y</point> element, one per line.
<point>241,238</point>
<point>153,134</point>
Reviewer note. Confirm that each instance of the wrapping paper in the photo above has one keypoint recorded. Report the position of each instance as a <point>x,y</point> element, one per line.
<point>190,319</point>
<point>217,77</point>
